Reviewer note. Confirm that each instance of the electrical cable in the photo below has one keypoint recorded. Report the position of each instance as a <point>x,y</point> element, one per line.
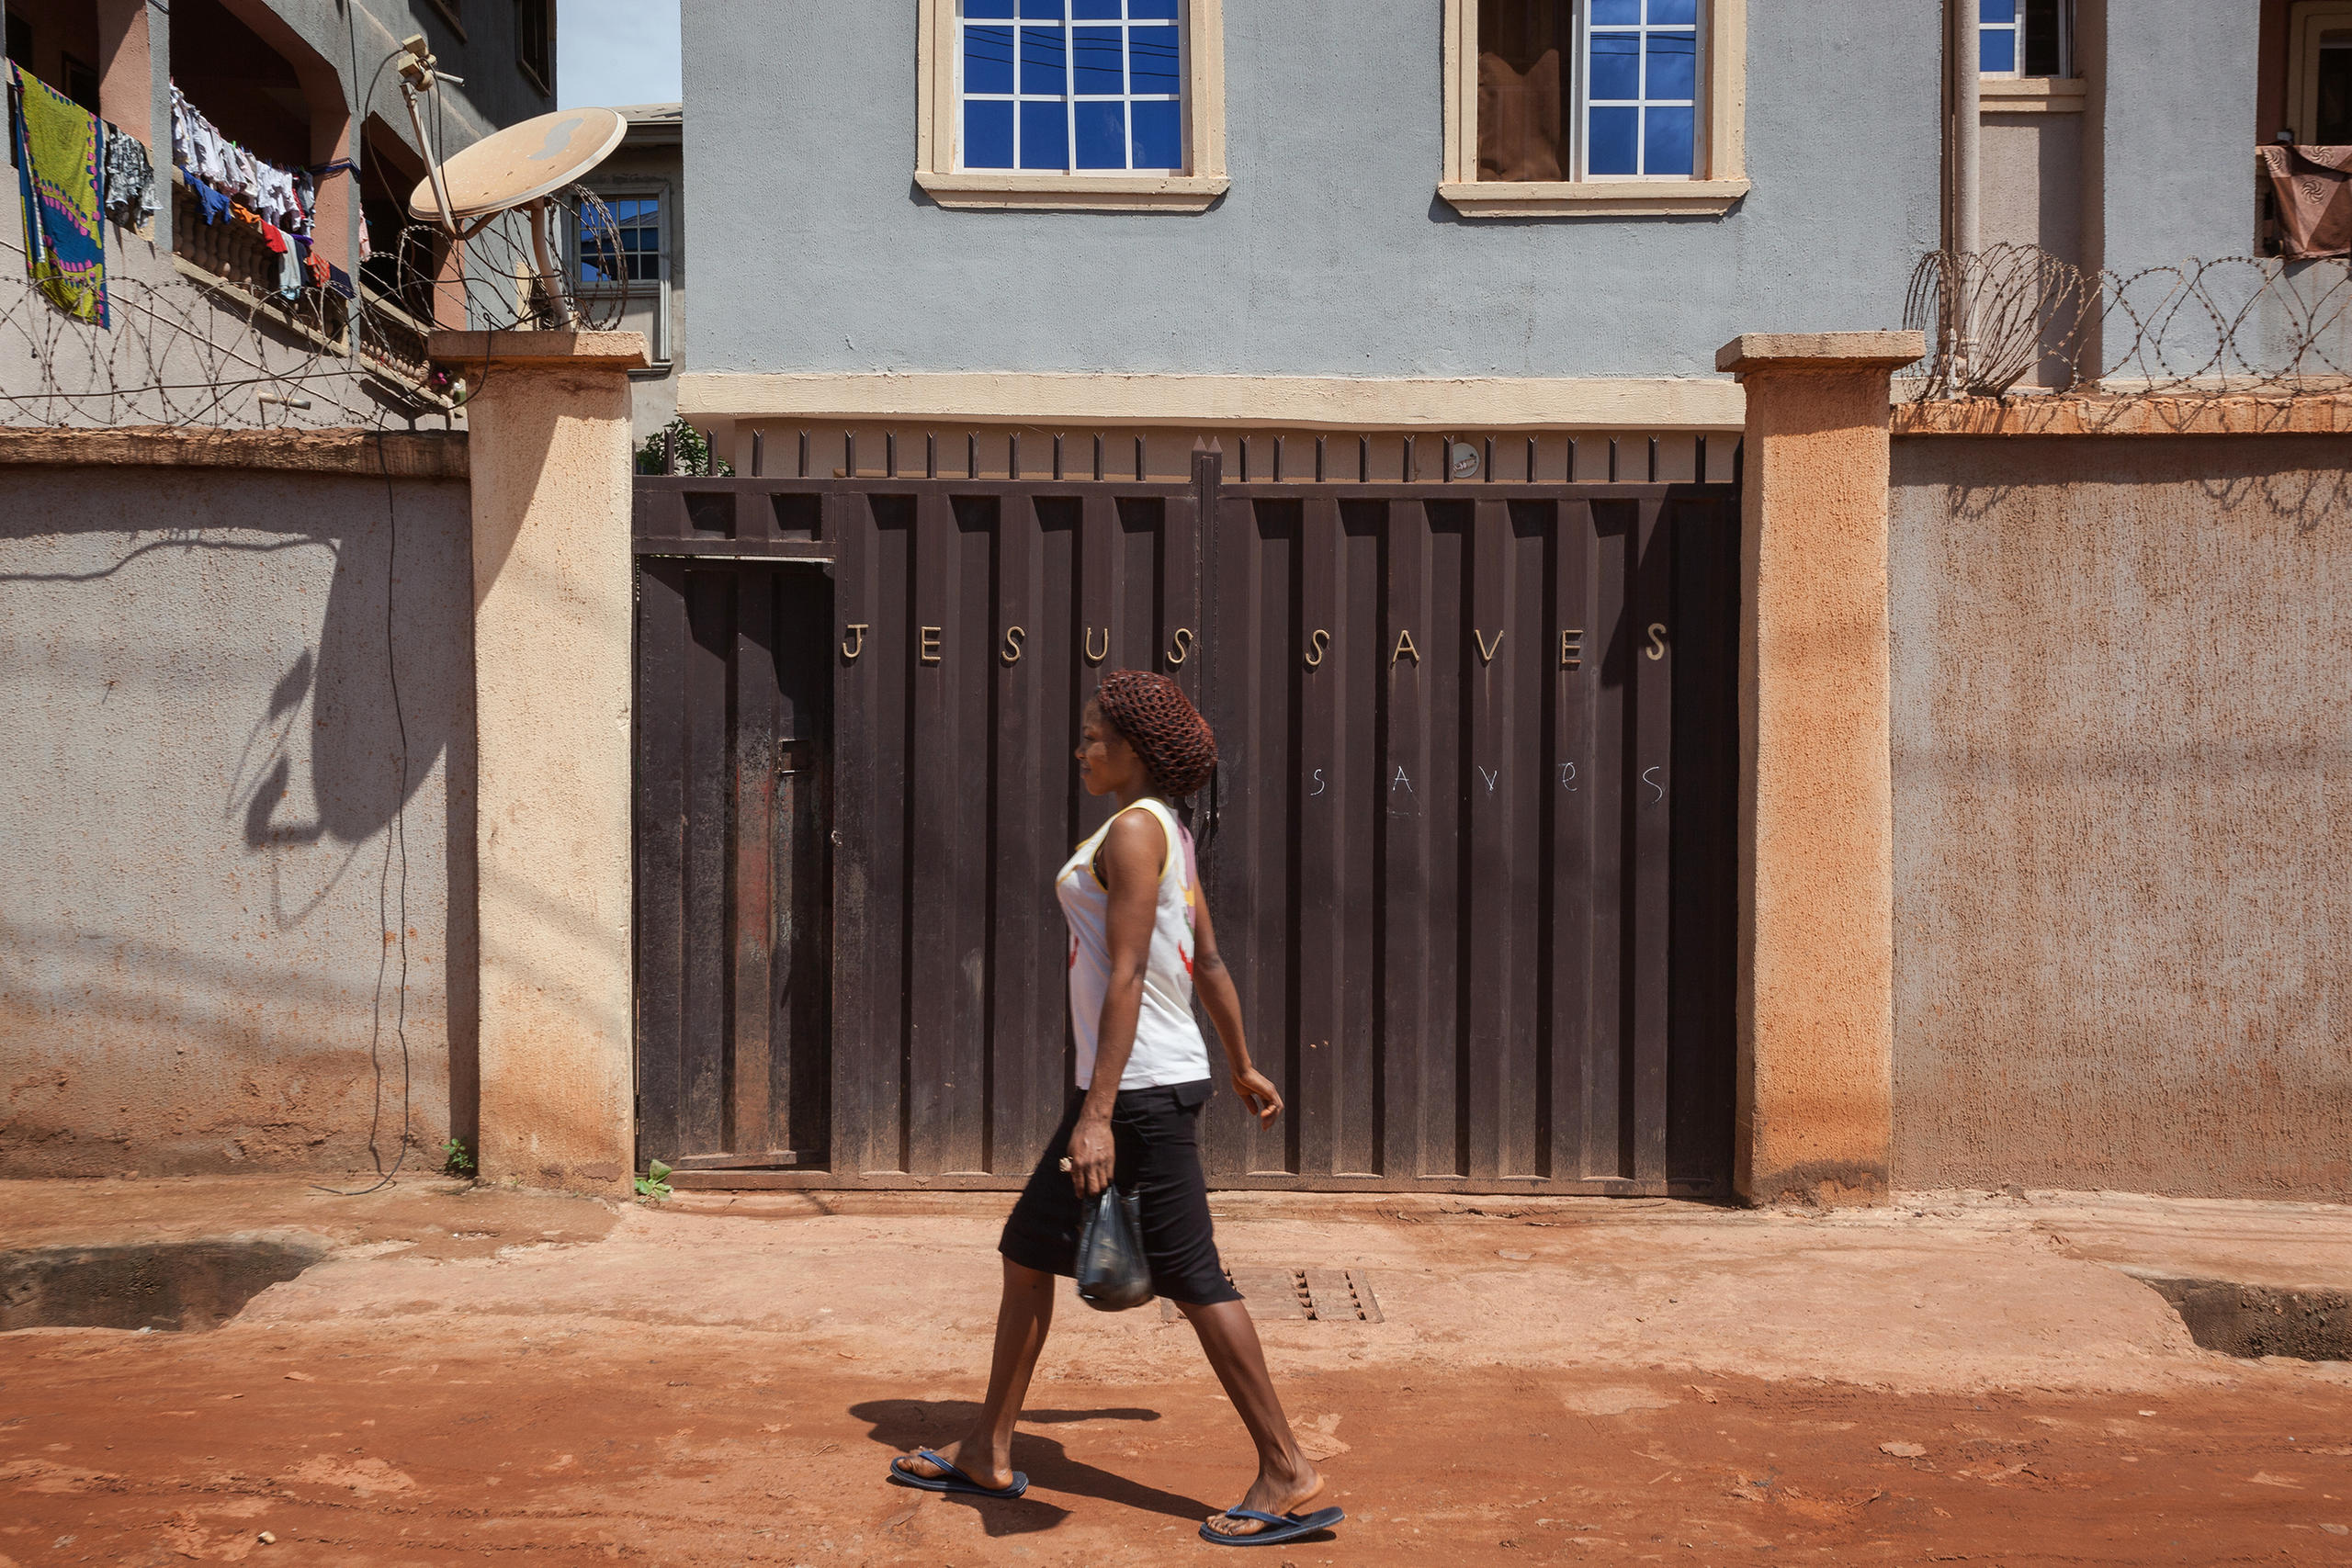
<point>397,836</point>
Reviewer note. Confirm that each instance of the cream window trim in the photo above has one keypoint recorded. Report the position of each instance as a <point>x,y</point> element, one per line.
<point>2032,95</point>
<point>2308,22</point>
<point>1202,183</point>
<point>1075,193</point>
<point>1590,199</point>
<point>1722,178</point>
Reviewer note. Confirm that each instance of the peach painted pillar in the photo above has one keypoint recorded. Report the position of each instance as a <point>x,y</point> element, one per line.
<point>127,75</point>
<point>1816,860</point>
<point>550,452</point>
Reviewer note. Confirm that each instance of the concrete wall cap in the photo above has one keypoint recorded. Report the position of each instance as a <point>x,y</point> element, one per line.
<point>1820,351</point>
<point>403,454</point>
<point>540,350</point>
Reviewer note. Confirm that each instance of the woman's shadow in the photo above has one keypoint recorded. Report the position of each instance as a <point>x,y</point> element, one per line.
<point>904,1425</point>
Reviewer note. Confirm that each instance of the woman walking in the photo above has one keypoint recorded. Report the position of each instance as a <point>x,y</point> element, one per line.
<point>1139,940</point>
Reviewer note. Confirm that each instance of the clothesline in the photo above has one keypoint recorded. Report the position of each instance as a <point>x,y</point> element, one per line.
<point>286,198</point>
<point>280,205</point>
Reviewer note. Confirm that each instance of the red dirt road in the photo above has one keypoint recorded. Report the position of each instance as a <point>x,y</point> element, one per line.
<point>388,1442</point>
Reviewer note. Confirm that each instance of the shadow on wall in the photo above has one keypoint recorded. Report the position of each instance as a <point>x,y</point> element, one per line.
<point>302,735</point>
<point>2281,478</point>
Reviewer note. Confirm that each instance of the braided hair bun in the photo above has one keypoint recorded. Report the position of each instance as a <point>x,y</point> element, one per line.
<point>1151,714</point>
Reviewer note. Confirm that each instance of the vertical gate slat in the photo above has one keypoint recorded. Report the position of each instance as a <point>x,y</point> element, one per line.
<point>945,867</point>
<point>1019,825</point>
<point>1321,834</point>
<point>1568,789</point>
<point>1523,1107</point>
<point>970,803</point>
<point>1027,996</point>
<point>1099,615</point>
<point>1489,948</point>
<point>1612,642</point>
<point>1231,654</point>
<point>1410,1036</point>
<point>869,796</point>
<point>1261,653</point>
<point>710,604</point>
<point>1063,687</point>
<point>1355,1135</point>
<point>1652,746</point>
<point>801,1043</point>
<point>750,835</point>
<point>1446,796</point>
<point>660,829</point>
<point>1179,601</point>
<point>1139,537</point>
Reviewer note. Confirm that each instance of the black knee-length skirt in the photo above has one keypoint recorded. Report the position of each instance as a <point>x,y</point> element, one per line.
<point>1157,1157</point>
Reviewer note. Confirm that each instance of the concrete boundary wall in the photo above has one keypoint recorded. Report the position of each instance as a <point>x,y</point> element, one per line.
<point>223,836</point>
<point>2122,765</point>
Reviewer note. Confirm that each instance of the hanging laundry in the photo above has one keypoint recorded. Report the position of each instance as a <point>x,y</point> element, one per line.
<point>212,203</point>
<point>315,265</point>
<point>182,154</point>
<point>280,197</point>
<point>289,269</point>
<point>59,177</point>
<point>129,180</point>
<point>2313,186</point>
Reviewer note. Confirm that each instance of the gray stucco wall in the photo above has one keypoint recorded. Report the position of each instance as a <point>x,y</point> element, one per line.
<point>2178,129</point>
<point>1330,255</point>
<point>2123,814</point>
<point>209,871</point>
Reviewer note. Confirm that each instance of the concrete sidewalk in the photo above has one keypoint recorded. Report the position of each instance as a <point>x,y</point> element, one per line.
<point>720,1380</point>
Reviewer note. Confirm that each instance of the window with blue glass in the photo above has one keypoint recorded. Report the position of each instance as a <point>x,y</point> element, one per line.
<point>2025,37</point>
<point>1641,87</point>
<point>1071,86</point>
<point>631,251</point>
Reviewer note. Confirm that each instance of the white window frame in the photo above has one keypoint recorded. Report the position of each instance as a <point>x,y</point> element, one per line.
<point>624,188</point>
<point>2309,23</point>
<point>939,122</point>
<point>1718,152</point>
<point>1580,138</point>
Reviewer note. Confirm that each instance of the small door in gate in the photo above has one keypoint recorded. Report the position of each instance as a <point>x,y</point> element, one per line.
<point>734,897</point>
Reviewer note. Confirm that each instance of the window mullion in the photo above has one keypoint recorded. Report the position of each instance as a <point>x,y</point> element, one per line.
<point>1579,97</point>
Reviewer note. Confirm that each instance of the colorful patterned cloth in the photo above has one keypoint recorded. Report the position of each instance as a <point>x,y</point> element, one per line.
<point>59,149</point>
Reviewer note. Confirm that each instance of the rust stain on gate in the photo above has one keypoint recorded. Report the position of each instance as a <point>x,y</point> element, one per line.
<point>1471,845</point>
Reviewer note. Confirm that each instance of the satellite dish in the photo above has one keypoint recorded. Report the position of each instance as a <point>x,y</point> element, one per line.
<point>520,165</point>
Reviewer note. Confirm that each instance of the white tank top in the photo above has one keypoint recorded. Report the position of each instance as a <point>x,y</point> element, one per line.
<point>1170,1048</point>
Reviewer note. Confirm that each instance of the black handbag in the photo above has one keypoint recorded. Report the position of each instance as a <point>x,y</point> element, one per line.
<point>1112,1274</point>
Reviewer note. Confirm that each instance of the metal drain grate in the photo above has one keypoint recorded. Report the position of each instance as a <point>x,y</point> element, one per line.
<point>1300,1295</point>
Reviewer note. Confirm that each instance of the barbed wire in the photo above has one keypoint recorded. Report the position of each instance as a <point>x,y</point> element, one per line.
<point>225,350</point>
<point>2013,315</point>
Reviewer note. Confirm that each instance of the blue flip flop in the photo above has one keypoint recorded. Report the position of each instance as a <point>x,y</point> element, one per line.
<point>955,1480</point>
<point>1285,1526</point>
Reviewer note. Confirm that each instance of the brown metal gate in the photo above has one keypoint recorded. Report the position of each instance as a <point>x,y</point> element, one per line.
<point>1471,846</point>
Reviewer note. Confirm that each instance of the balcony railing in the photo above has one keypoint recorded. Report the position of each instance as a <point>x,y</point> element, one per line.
<point>391,341</point>
<point>231,256</point>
